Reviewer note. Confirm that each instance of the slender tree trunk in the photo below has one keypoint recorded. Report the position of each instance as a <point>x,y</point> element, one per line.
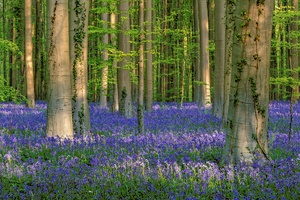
<point>205,98</point>
<point>104,55</point>
<point>59,112</point>
<point>247,124</point>
<point>124,85</point>
<point>149,56</point>
<point>230,8</point>
<point>29,56</point>
<point>294,50</point>
<point>38,49</point>
<point>113,38</point>
<point>197,56</point>
<point>219,95</point>
<point>141,126</point>
<point>78,60</point>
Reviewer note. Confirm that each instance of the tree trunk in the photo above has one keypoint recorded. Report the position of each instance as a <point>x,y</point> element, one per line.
<point>28,56</point>
<point>219,75</point>
<point>59,112</point>
<point>124,85</point>
<point>230,8</point>
<point>78,60</point>
<point>204,56</point>
<point>115,104</point>
<point>247,124</point>
<point>104,56</point>
<point>149,57</point>
<point>141,126</point>
<point>294,51</point>
<point>197,56</point>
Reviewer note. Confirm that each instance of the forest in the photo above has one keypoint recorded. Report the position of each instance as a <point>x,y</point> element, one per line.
<point>149,99</point>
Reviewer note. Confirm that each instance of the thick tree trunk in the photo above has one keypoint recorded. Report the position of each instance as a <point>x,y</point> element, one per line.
<point>124,85</point>
<point>205,98</point>
<point>59,112</point>
<point>78,60</point>
<point>29,56</point>
<point>247,124</point>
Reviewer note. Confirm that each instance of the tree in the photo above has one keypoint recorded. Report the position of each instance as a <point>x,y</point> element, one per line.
<point>149,57</point>
<point>113,38</point>
<point>205,98</point>
<point>104,56</point>
<point>124,85</point>
<point>219,73</point>
<point>141,70</point>
<point>197,56</point>
<point>78,59</point>
<point>29,56</point>
<point>247,124</point>
<point>294,50</point>
<point>59,112</point>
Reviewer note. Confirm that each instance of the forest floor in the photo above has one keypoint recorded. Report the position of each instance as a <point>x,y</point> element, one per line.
<point>176,158</point>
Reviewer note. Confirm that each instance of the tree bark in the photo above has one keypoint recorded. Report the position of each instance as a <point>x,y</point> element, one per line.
<point>141,127</point>
<point>29,56</point>
<point>219,73</point>
<point>247,124</point>
<point>124,85</point>
<point>205,98</point>
<point>104,56</point>
<point>149,56</point>
<point>113,38</point>
<point>294,51</point>
<point>59,112</point>
<point>197,56</point>
<point>78,60</point>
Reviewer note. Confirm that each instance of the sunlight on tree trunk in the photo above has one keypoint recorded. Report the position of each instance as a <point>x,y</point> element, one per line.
<point>205,98</point>
<point>247,124</point>
<point>29,56</point>
<point>59,112</point>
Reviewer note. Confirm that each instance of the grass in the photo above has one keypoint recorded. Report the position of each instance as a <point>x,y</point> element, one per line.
<point>177,158</point>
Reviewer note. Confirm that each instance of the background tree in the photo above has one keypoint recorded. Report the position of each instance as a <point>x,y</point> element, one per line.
<point>149,56</point>
<point>247,124</point>
<point>141,126</point>
<point>59,112</point>
<point>78,59</point>
<point>104,56</point>
<point>29,56</point>
<point>124,85</point>
<point>219,72</point>
<point>205,97</point>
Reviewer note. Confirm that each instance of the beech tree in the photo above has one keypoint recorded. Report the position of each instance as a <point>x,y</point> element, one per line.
<point>59,112</point>
<point>78,60</point>
<point>205,97</point>
<point>141,70</point>
<point>29,56</point>
<point>104,56</point>
<point>124,85</point>
<point>247,124</point>
<point>149,56</point>
<point>219,72</point>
